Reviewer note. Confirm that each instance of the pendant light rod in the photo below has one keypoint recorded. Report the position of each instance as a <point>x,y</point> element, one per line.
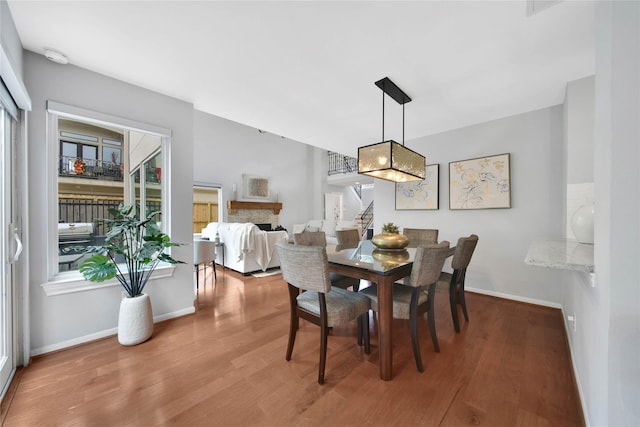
<point>382,116</point>
<point>403,124</point>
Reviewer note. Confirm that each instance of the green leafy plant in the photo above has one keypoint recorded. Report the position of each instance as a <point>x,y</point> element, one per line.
<point>390,228</point>
<point>140,244</point>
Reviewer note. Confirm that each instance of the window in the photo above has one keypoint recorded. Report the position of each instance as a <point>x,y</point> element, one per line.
<point>102,161</point>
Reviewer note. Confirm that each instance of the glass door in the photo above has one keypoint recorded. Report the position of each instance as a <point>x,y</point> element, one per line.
<point>11,246</point>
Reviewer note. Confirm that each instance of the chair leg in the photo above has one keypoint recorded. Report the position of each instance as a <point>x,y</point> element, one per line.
<point>413,321</point>
<point>293,328</point>
<point>324,334</point>
<point>454,307</point>
<point>363,331</point>
<point>365,325</point>
<point>463,302</point>
<point>431,317</point>
<point>213,266</point>
<point>197,274</point>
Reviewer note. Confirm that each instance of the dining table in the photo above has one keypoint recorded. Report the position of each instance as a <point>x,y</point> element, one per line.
<point>382,267</point>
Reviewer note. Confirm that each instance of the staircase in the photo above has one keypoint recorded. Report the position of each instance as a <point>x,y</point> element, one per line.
<point>364,218</point>
<point>339,164</point>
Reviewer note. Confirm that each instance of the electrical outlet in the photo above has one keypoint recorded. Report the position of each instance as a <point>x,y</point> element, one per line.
<point>572,320</point>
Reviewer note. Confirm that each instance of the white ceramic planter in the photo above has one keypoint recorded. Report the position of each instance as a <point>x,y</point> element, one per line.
<point>135,322</point>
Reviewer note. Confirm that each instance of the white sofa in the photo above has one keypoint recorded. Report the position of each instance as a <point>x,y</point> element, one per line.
<point>247,248</point>
<point>329,226</point>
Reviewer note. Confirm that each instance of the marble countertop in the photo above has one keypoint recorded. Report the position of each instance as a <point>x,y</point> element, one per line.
<point>561,254</point>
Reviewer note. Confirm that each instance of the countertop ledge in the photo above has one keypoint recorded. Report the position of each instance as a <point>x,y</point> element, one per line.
<point>561,254</point>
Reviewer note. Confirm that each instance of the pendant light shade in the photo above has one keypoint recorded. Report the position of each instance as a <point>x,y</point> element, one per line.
<point>388,159</point>
<point>391,161</point>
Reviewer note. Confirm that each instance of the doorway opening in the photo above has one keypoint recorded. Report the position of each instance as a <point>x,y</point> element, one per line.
<point>207,205</point>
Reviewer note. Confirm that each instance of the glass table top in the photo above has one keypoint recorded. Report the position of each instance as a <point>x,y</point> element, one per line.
<point>367,257</point>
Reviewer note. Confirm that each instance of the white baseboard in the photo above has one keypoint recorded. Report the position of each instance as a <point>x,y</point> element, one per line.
<point>567,330</point>
<point>514,297</point>
<point>103,334</point>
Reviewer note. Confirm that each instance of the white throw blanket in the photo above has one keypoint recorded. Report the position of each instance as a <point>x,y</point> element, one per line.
<point>243,236</point>
<point>246,240</point>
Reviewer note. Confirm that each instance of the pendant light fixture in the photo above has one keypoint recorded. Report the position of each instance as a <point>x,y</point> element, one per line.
<point>388,159</point>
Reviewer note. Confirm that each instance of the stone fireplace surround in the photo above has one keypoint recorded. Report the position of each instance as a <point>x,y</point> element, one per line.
<point>254,212</point>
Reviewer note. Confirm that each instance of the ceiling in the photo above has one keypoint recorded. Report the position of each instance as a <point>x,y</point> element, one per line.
<point>306,70</point>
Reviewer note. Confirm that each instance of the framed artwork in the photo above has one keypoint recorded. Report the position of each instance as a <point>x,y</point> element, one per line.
<point>422,194</point>
<point>482,183</point>
<point>255,187</point>
<point>333,206</point>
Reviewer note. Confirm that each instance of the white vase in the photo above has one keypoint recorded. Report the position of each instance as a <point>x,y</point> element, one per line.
<point>135,322</point>
<point>582,223</point>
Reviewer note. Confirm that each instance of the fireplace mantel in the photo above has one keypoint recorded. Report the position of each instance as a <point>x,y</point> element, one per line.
<point>234,205</point>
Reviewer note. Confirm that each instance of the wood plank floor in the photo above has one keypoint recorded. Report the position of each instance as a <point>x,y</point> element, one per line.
<point>225,366</point>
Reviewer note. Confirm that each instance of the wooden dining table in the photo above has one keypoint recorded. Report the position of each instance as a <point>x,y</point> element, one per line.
<point>383,267</point>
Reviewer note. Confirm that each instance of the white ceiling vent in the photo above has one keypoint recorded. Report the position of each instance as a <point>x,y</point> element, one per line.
<point>535,6</point>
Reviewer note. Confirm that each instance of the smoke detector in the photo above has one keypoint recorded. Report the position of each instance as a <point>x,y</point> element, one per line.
<point>55,56</point>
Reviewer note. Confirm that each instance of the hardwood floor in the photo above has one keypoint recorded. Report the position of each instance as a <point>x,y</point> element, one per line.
<point>225,365</point>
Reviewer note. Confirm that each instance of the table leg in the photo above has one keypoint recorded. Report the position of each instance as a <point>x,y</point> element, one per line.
<point>385,317</point>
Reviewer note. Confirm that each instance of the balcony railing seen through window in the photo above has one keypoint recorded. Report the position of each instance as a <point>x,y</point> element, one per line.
<point>89,168</point>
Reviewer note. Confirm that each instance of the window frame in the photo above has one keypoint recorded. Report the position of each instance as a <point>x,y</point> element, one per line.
<point>72,281</point>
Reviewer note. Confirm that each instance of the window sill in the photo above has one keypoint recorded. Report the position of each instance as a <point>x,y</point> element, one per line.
<point>71,282</point>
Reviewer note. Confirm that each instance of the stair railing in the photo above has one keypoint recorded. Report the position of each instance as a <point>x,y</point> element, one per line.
<point>366,218</point>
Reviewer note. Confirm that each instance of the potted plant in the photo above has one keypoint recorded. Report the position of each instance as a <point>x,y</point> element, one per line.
<point>132,249</point>
<point>390,238</point>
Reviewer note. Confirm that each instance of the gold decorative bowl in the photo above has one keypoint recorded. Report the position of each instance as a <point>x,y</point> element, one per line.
<point>390,259</point>
<point>390,241</point>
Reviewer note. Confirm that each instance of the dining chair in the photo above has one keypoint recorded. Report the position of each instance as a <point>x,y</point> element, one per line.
<point>415,295</point>
<point>347,239</point>
<point>310,238</point>
<point>204,252</point>
<point>306,268</point>
<point>420,236</point>
<point>319,238</point>
<point>455,281</point>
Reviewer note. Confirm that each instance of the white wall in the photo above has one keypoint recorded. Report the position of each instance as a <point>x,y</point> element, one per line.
<point>10,40</point>
<point>534,141</point>
<point>352,203</point>
<point>58,321</point>
<point>611,355</point>
<point>579,112</point>
<point>224,150</point>
<point>580,300</point>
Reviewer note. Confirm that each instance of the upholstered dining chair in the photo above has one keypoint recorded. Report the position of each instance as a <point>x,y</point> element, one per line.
<point>415,296</point>
<point>204,252</point>
<point>347,239</point>
<point>455,281</point>
<point>420,236</point>
<point>306,268</point>
<point>319,238</point>
<point>310,238</point>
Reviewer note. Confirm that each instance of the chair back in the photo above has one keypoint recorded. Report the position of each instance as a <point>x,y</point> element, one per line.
<point>304,267</point>
<point>310,238</point>
<point>420,236</point>
<point>427,264</point>
<point>347,239</point>
<point>204,251</point>
<point>463,252</point>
